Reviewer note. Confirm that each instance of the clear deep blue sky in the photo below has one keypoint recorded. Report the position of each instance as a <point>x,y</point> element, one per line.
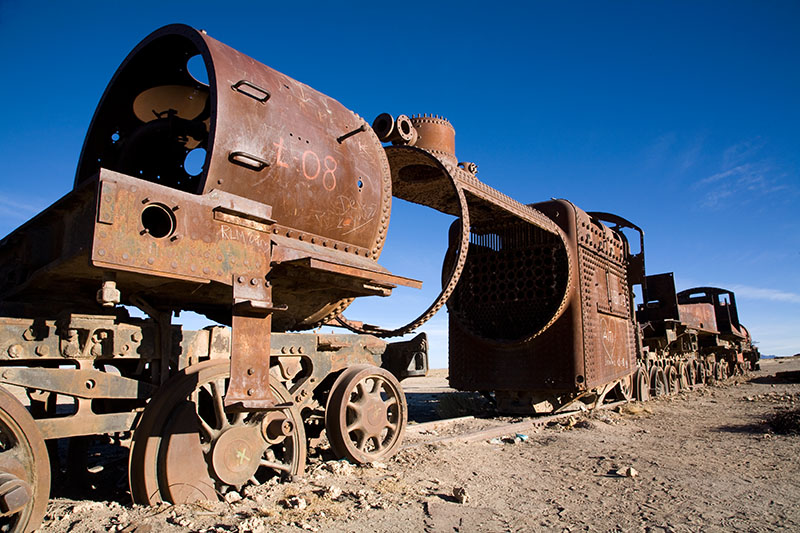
<point>683,117</point>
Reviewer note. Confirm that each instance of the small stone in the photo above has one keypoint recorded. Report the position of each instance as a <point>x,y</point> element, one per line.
<point>253,525</point>
<point>495,441</point>
<point>627,472</point>
<point>379,465</point>
<point>233,497</point>
<point>294,502</point>
<point>332,493</point>
<point>339,468</point>
<point>461,495</point>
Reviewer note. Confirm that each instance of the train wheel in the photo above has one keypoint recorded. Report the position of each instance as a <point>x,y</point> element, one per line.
<point>641,385</point>
<point>721,371</point>
<point>691,373</point>
<point>624,389</point>
<point>24,467</point>
<point>658,383</point>
<point>673,379</point>
<point>366,414</point>
<point>683,376</point>
<point>700,370</point>
<point>188,448</point>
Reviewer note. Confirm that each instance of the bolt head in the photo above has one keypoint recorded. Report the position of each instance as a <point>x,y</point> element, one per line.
<point>14,351</point>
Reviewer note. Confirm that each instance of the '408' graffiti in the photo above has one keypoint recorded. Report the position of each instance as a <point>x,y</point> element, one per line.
<point>311,165</point>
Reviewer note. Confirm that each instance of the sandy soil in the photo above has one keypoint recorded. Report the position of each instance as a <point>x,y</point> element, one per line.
<point>704,459</point>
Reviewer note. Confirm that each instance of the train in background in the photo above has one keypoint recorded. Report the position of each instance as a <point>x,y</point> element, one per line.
<point>278,232</point>
<point>599,346</point>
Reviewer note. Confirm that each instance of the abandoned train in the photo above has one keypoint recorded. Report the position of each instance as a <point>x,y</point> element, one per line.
<point>279,231</point>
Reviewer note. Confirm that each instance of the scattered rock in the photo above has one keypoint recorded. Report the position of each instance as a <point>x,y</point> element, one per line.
<point>339,468</point>
<point>461,495</point>
<point>332,493</point>
<point>628,471</point>
<point>233,497</point>
<point>253,525</point>
<point>294,502</point>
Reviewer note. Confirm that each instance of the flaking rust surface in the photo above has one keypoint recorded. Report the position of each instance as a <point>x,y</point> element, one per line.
<point>705,460</point>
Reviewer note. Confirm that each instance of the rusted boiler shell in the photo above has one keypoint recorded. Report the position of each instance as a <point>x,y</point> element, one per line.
<point>268,137</point>
<point>265,137</point>
<point>505,333</point>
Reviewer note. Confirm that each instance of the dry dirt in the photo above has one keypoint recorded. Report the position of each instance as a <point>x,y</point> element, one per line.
<point>705,459</point>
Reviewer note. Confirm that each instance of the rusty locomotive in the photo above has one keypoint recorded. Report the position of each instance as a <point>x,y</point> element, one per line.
<point>278,232</point>
<point>601,346</point>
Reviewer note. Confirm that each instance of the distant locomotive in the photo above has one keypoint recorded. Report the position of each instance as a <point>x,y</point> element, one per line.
<point>280,230</point>
<point>691,337</point>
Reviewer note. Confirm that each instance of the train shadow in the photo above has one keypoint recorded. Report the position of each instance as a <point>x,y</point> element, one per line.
<point>753,428</point>
<point>771,379</point>
<point>430,406</point>
<point>90,468</point>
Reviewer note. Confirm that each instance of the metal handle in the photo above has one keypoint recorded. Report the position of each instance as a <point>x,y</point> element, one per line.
<point>250,161</point>
<point>252,90</point>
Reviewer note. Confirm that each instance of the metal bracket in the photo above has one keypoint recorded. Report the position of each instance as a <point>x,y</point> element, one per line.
<point>251,327</point>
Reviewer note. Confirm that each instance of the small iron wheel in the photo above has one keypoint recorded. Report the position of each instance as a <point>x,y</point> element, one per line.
<point>624,389</point>
<point>658,383</point>
<point>687,375</point>
<point>699,377</point>
<point>641,382</point>
<point>24,468</point>
<point>673,379</point>
<point>721,371</point>
<point>366,414</point>
<point>188,448</point>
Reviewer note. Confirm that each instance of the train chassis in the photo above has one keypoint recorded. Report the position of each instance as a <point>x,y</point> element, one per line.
<point>106,374</point>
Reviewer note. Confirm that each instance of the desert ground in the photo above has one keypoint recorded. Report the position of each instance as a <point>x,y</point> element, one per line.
<point>705,459</point>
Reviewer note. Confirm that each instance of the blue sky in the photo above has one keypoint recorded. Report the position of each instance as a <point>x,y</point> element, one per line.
<point>680,116</point>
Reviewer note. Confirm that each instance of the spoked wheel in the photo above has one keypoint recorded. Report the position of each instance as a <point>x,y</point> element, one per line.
<point>366,414</point>
<point>187,448</point>
<point>711,372</point>
<point>641,385</point>
<point>687,375</point>
<point>673,379</point>
<point>701,374</point>
<point>624,389</point>
<point>721,371</point>
<point>24,467</point>
<point>658,383</point>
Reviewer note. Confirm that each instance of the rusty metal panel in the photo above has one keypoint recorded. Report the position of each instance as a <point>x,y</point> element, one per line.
<point>157,230</point>
<point>699,316</point>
